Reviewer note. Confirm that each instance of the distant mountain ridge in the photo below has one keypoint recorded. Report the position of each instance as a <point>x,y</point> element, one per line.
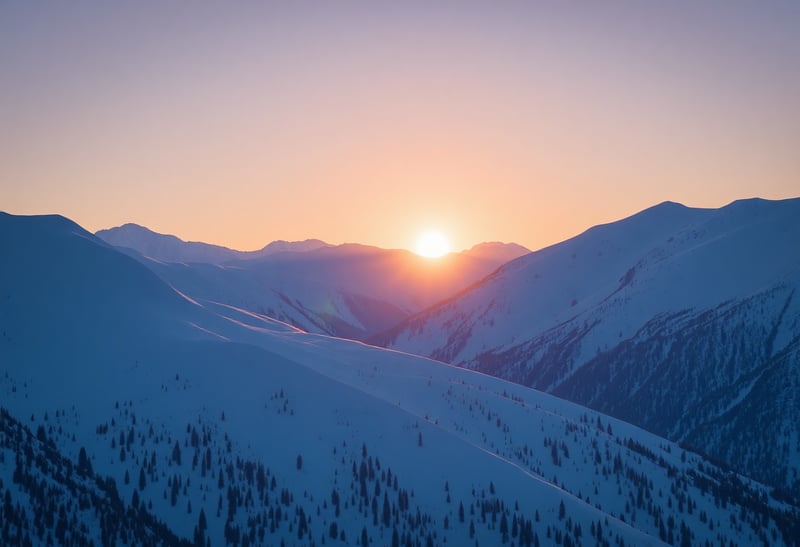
<point>683,321</point>
<point>350,290</point>
<point>496,250</point>
<point>170,248</point>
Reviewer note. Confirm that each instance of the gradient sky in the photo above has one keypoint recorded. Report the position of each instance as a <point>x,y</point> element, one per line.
<point>240,123</point>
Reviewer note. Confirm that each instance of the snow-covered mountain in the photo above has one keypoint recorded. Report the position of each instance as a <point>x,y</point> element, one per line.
<point>497,251</point>
<point>352,291</point>
<point>683,321</point>
<point>134,414</point>
<point>170,248</point>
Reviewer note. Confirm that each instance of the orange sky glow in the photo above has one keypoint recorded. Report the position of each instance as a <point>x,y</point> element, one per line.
<point>374,122</point>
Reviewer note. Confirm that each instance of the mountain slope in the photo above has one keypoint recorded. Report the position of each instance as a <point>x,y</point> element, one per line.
<point>228,426</point>
<point>352,291</point>
<point>675,319</point>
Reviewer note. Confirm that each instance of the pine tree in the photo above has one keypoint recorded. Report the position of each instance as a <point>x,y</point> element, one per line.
<point>387,511</point>
<point>176,453</point>
<point>84,465</point>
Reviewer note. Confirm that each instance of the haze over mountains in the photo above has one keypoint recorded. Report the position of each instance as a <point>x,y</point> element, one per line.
<point>353,291</point>
<point>683,321</point>
<point>160,419</point>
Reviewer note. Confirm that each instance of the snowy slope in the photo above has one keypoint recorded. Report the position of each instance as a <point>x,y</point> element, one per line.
<point>674,319</point>
<point>230,426</point>
<point>353,291</point>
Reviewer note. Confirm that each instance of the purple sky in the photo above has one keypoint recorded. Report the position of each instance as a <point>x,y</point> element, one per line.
<point>240,123</point>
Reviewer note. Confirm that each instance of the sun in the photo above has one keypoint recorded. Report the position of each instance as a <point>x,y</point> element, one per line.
<point>432,244</point>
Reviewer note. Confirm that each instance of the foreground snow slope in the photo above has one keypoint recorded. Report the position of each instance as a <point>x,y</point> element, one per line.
<point>231,426</point>
<point>684,321</point>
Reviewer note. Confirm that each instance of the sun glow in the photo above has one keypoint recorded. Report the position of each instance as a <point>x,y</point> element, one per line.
<point>432,244</point>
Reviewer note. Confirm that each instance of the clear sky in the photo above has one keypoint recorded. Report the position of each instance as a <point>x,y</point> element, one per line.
<point>239,123</point>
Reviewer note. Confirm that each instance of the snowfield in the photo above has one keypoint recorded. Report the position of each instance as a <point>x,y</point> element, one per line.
<point>224,426</point>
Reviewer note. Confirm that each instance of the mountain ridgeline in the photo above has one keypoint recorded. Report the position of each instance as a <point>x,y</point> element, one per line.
<point>352,291</point>
<point>169,248</point>
<point>683,321</point>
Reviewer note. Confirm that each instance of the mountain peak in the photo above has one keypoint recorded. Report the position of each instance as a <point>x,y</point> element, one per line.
<point>51,223</point>
<point>496,250</point>
<point>757,204</point>
<point>280,246</point>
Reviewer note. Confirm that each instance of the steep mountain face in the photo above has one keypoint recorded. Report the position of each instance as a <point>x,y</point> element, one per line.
<point>159,419</point>
<point>683,321</point>
<point>351,291</point>
<point>168,248</point>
